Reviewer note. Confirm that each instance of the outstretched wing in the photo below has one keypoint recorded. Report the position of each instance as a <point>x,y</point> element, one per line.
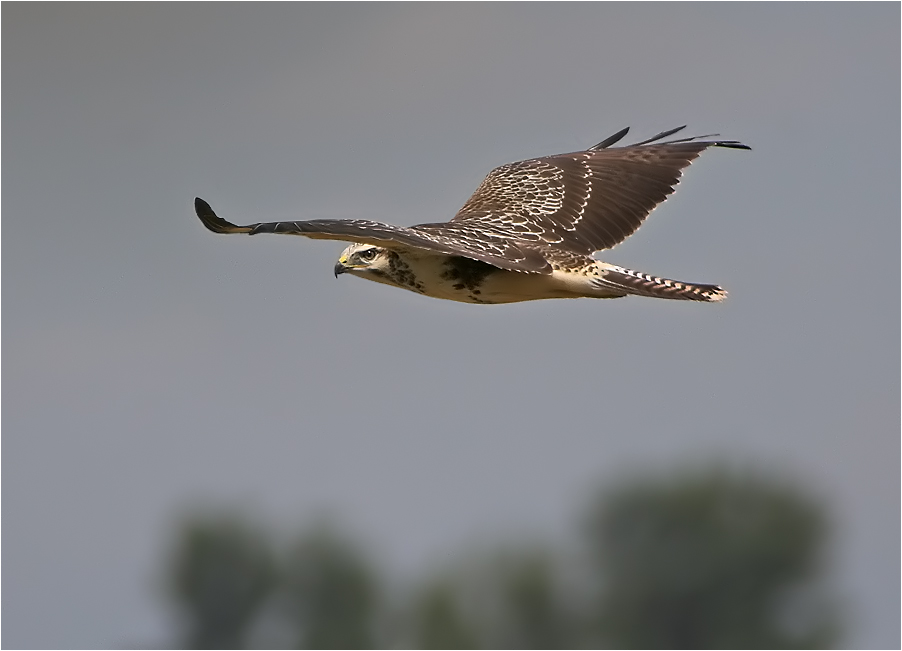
<point>467,240</point>
<point>583,201</point>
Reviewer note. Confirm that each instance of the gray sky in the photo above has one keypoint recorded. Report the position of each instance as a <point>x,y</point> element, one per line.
<point>150,365</point>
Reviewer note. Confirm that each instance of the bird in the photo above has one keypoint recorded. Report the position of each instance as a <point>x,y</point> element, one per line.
<point>528,232</point>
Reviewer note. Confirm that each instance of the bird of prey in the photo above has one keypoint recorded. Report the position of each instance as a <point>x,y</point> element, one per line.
<point>528,232</point>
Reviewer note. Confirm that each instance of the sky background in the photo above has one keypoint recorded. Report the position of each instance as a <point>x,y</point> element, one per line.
<point>150,366</point>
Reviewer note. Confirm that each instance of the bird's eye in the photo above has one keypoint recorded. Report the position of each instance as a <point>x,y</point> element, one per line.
<point>367,255</point>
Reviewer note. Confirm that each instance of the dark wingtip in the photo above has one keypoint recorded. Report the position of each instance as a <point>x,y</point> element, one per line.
<point>659,136</point>
<point>212,221</point>
<point>610,140</point>
<point>732,144</point>
<point>727,144</point>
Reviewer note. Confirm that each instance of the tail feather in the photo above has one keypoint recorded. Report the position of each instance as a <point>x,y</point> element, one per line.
<point>642,284</point>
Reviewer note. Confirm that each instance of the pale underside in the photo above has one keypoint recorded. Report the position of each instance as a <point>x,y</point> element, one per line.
<point>469,281</point>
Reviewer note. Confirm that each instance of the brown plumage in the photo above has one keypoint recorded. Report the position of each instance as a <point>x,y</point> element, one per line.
<point>537,217</point>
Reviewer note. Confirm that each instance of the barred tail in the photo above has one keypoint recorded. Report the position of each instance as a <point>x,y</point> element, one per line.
<point>641,284</point>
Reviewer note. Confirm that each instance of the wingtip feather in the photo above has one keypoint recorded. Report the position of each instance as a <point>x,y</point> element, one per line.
<point>610,140</point>
<point>213,222</point>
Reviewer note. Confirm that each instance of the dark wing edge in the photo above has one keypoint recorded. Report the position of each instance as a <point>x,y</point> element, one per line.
<point>469,243</point>
<point>321,229</point>
<point>728,144</point>
<point>214,222</point>
<point>584,201</point>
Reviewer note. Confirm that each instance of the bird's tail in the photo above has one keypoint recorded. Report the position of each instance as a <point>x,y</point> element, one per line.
<point>642,284</point>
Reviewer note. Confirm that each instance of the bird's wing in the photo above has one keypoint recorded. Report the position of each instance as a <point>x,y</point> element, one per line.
<point>583,201</point>
<point>466,240</point>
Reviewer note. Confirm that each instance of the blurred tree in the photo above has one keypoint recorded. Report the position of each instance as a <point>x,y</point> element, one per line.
<point>702,561</point>
<point>332,594</point>
<point>438,622</point>
<point>531,611</point>
<point>222,574</point>
<point>511,598</point>
<point>705,562</point>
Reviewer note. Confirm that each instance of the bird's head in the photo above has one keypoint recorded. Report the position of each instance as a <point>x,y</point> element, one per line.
<point>364,260</point>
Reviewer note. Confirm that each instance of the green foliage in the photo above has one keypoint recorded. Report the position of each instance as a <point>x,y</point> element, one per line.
<point>509,599</point>
<point>700,561</point>
<point>533,613</point>
<point>222,573</point>
<point>331,592</point>
<point>438,622</point>
<point>704,562</point>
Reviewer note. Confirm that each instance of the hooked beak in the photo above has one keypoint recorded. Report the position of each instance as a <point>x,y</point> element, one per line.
<point>339,268</point>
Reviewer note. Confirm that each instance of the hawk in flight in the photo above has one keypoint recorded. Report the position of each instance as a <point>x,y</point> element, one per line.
<point>528,232</point>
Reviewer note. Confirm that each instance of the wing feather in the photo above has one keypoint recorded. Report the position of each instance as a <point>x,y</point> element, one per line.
<point>462,239</point>
<point>524,212</point>
<point>584,201</point>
